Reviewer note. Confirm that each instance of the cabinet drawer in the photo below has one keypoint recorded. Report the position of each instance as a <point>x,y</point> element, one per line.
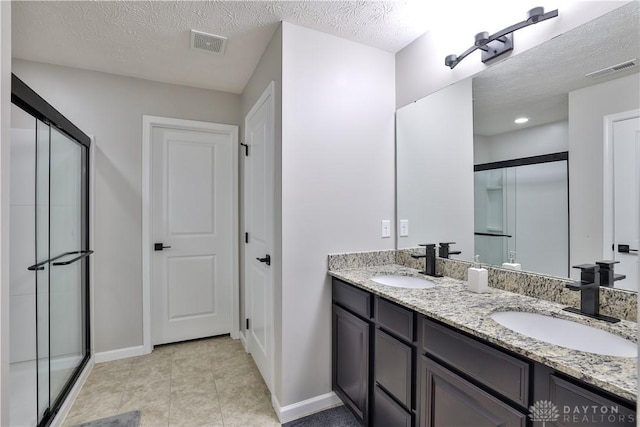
<point>387,413</point>
<point>578,406</point>
<point>393,367</point>
<point>352,298</point>
<point>449,400</point>
<point>499,371</point>
<point>394,318</point>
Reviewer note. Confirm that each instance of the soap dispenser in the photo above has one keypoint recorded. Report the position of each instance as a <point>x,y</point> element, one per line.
<point>512,264</point>
<point>478,277</point>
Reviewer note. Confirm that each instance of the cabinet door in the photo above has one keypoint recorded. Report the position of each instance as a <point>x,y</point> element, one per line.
<point>387,413</point>
<point>450,401</point>
<point>579,407</point>
<point>497,370</point>
<point>351,361</point>
<point>393,367</point>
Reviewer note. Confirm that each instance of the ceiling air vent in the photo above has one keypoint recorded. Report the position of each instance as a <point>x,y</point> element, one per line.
<point>613,69</point>
<point>208,42</point>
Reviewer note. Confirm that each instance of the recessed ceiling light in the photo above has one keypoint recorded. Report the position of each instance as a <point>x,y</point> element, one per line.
<point>521,120</point>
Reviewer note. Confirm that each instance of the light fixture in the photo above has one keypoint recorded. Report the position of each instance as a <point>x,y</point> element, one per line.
<point>502,41</point>
<point>521,120</point>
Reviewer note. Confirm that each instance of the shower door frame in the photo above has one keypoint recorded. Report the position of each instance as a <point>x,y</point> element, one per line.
<point>28,100</point>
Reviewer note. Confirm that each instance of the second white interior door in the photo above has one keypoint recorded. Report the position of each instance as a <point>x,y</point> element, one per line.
<point>626,137</point>
<point>192,217</point>
<point>258,220</point>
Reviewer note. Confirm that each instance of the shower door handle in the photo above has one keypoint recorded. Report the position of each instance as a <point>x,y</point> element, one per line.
<point>40,266</point>
<point>160,246</point>
<point>81,254</point>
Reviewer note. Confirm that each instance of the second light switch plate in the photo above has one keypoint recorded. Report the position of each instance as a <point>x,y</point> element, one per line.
<point>386,228</point>
<point>404,227</point>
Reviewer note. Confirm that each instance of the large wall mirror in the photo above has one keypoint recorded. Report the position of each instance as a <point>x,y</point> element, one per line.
<point>559,190</point>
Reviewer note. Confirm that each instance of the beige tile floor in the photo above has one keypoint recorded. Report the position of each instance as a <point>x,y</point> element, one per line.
<point>209,382</point>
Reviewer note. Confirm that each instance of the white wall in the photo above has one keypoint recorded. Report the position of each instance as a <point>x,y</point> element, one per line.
<point>269,69</point>
<point>337,185</point>
<point>420,68</point>
<point>5,139</point>
<point>435,169</point>
<point>110,108</point>
<point>534,141</point>
<point>587,108</point>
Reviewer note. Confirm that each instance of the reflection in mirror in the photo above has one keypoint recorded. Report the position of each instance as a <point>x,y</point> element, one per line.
<point>522,214</point>
<point>574,89</point>
<point>565,88</point>
<point>434,185</point>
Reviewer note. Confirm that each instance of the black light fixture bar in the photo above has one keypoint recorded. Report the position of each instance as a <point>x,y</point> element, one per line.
<point>501,42</point>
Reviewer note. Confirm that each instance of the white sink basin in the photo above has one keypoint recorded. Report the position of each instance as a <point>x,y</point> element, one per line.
<point>404,281</point>
<point>566,333</point>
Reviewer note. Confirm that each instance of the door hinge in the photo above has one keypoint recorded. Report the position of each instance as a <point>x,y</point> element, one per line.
<point>247,328</point>
<point>246,237</point>
<point>246,149</point>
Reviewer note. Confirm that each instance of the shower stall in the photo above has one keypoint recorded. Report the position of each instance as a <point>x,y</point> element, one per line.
<point>522,207</point>
<point>49,264</point>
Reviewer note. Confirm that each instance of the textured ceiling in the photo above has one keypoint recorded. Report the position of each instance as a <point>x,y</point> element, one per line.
<point>150,39</point>
<point>536,83</point>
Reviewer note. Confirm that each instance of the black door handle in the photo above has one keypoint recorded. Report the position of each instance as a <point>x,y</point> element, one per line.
<point>266,259</point>
<point>159,247</point>
<point>624,249</point>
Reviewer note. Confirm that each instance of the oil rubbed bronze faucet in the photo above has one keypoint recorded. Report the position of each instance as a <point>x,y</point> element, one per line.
<point>589,287</point>
<point>607,276</point>
<point>430,259</point>
<point>445,250</point>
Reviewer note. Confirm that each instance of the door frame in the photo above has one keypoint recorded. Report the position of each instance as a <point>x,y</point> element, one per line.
<point>148,123</point>
<point>607,178</point>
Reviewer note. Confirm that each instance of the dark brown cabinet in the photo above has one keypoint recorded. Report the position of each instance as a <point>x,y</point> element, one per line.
<point>396,368</point>
<point>394,365</point>
<point>580,407</point>
<point>447,400</point>
<point>502,373</point>
<point>351,355</point>
<point>387,412</point>
<point>465,382</point>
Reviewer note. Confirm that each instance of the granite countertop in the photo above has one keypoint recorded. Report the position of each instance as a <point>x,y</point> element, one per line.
<point>452,303</point>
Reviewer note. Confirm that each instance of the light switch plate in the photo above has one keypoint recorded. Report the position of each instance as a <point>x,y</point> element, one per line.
<point>386,228</point>
<point>404,228</point>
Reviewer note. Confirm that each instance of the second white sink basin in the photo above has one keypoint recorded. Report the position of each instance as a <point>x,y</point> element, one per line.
<point>404,281</point>
<point>566,333</point>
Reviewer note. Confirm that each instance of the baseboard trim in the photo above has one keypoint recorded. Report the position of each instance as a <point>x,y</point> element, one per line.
<point>304,407</point>
<point>243,341</point>
<point>73,395</point>
<point>121,353</point>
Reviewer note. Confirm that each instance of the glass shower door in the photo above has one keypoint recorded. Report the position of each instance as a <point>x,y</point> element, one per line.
<point>49,242</point>
<point>67,251</point>
<point>522,206</point>
<point>42,272</point>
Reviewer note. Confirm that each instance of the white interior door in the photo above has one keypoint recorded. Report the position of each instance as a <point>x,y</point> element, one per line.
<point>192,228</point>
<point>258,194</point>
<point>626,134</point>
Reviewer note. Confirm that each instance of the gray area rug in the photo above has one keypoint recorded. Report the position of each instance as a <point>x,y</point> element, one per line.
<point>128,419</point>
<point>335,417</point>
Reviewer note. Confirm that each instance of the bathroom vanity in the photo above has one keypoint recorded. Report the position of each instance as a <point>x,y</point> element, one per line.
<point>434,357</point>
